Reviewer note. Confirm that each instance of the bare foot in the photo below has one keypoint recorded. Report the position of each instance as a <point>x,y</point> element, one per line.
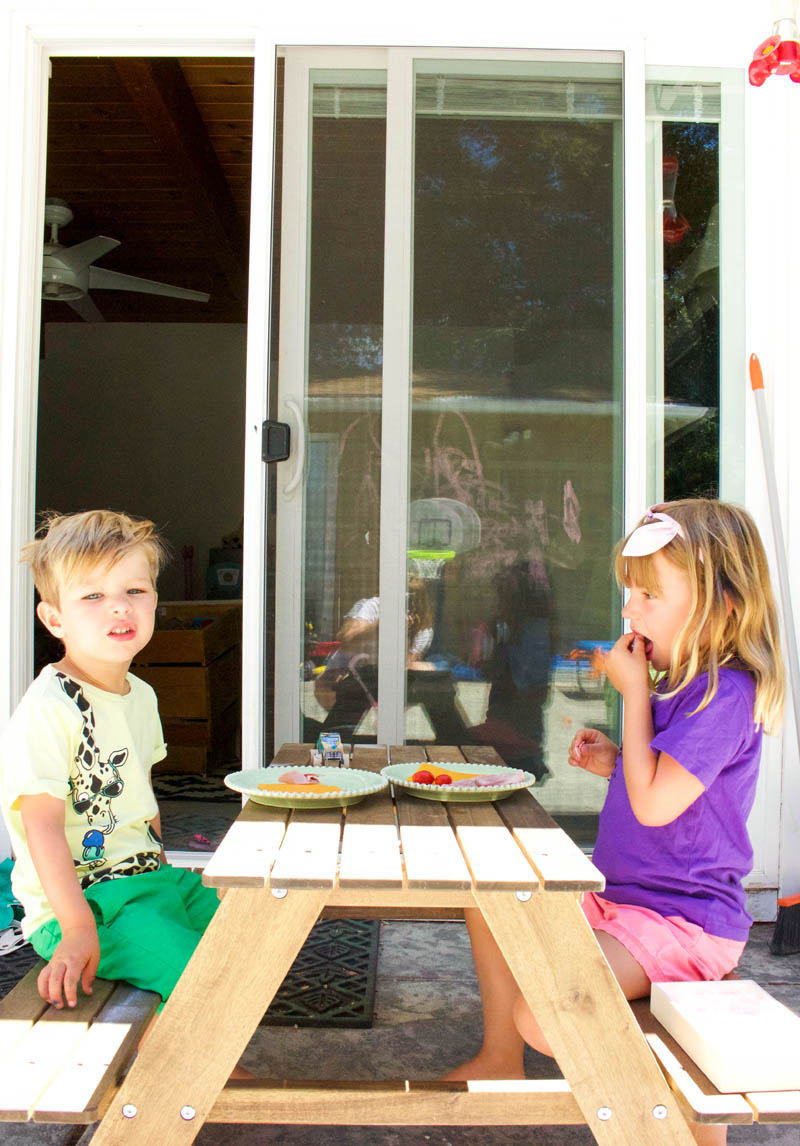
<point>484,1066</point>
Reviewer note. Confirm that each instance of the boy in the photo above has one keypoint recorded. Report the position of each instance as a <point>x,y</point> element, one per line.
<point>75,764</point>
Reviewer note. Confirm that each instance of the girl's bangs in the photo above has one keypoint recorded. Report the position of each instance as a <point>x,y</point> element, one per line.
<point>639,571</point>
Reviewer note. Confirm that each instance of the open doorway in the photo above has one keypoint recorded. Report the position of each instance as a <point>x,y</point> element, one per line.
<point>142,391</point>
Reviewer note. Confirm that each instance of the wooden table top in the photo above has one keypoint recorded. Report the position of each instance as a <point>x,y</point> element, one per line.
<point>395,842</point>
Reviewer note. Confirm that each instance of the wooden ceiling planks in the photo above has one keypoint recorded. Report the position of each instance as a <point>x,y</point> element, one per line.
<point>121,178</point>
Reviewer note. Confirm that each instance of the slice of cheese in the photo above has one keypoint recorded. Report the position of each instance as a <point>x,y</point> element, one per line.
<point>434,771</point>
<point>738,1035</point>
<point>317,789</point>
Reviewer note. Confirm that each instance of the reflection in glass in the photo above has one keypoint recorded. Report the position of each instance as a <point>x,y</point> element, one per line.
<point>691,309</point>
<point>345,360</point>
<point>516,409</point>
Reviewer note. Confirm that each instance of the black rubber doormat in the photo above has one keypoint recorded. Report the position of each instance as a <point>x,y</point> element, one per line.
<point>177,786</point>
<point>332,981</point>
<point>14,965</point>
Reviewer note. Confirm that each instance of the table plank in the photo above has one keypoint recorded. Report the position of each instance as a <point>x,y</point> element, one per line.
<point>431,854</point>
<point>248,849</point>
<point>99,1059</point>
<point>398,1103</point>
<point>308,855</point>
<point>298,755</point>
<point>698,1096</point>
<point>561,864</point>
<point>495,860</point>
<point>565,979</point>
<point>699,1105</point>
<point>406,753</point>
<point>368,757</point>
<point>482,754</point>
<point>28,1069</point>
<point>775,1105</point>
<point>444,754</point>
<point>19,1010</point>
<point>371,846</point>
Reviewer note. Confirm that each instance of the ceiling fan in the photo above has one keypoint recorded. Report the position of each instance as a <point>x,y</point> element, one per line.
<point>68,274</point>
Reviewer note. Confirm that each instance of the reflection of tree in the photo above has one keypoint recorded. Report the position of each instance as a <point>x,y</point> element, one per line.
<point>692,470</point>
<point>513,224</point>
<point>692,322</point>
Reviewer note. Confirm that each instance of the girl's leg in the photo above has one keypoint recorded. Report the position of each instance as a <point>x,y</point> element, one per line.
<point>709,1135</point>
<point>628,973</point>
<point>500,1055</point>
<point>635,985</point>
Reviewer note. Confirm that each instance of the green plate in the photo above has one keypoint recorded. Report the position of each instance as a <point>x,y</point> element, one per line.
<point>398,775</point>
<point>355,785</point>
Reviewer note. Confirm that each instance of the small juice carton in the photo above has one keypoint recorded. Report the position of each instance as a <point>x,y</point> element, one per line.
<point>329,745</point>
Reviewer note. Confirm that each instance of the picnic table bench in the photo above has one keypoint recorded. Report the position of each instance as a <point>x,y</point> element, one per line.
<point>391,854</point>
<point>65,1065</point>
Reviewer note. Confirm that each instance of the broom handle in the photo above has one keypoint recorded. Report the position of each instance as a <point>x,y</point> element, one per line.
<point>757,383</point>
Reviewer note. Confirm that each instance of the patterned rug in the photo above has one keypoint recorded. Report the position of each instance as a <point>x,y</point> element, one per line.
<point>332,981</point>
<point>330,984</point>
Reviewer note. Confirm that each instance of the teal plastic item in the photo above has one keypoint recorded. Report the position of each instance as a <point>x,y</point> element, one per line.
<point>7,901</point>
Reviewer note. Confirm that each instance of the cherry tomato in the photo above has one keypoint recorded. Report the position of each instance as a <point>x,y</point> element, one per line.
<point>422,777</point>
<point>443,779</point>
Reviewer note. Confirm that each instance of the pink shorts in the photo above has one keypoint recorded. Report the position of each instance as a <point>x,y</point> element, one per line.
<point>668,948</point>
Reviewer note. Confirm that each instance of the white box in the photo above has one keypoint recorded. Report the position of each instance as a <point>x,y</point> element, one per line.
<point>738,1035</point>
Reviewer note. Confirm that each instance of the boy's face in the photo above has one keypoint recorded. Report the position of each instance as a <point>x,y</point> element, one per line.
<point>106,614</point>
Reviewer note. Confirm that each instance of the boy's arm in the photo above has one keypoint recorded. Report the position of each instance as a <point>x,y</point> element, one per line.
<point>76,957</point>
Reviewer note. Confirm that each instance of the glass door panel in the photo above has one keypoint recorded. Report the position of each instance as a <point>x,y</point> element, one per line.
<point>343,404</point>
<point>695,405</point>
<point>516,460</point>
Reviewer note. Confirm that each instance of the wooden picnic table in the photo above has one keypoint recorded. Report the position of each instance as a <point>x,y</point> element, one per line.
<point>394,854</point>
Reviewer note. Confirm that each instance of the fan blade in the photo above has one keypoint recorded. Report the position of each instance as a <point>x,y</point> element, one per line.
<point>113,280</point>
<point>82,254</point>
<point>86,309</point>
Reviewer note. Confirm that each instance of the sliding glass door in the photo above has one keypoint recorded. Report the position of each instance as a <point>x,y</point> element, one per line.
<point>452,345</point>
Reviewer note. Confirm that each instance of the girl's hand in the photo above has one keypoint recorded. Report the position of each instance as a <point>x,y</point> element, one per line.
<point>593,751</point>
<point>627,666</point>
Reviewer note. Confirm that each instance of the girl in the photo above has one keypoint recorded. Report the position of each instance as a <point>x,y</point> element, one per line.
<point>701,676</point>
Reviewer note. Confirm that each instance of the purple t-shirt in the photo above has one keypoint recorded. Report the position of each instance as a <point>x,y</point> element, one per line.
<point>694,866</point>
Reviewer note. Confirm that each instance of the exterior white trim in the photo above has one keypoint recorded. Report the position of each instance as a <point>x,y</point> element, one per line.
<point>257,405</point>
<point>292,392</point>
<point>635,272</point>
<point>396,417</point>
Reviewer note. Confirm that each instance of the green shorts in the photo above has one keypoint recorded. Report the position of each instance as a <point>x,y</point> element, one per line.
<point>148,926</point>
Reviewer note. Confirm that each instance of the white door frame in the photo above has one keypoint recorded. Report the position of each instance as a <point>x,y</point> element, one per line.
<point>31,47</point>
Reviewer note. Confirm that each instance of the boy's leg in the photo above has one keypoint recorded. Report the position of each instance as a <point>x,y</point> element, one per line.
<point>500,1055</point>
<point>199,902</point>
<point>150,925</point>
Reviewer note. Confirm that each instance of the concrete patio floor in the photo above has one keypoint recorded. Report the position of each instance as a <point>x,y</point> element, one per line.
<point>427,1019</point>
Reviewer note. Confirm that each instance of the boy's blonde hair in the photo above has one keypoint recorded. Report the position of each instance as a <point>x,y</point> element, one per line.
<point>733,620</point>
<point>71,543</point>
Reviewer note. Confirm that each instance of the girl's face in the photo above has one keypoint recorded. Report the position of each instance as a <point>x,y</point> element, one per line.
<point>658,617</point>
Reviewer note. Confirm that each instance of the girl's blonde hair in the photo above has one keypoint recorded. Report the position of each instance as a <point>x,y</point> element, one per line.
<point>733,620</point>
<point>71,543</point>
